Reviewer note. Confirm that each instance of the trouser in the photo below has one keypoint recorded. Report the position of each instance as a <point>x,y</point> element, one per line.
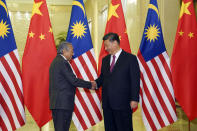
<point>61,119</point>
<point>117,120</point>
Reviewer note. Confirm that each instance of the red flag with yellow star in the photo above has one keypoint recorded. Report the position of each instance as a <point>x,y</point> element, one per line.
<point>184,60</point>
<point>115,24</point>
<point>38,54</point>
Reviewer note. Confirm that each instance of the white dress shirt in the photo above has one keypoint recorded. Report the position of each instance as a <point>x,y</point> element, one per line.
<point>117,55</point>
<point>63,57</point>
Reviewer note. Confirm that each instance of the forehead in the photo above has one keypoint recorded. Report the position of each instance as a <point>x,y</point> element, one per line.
<point>70,46</point>
<point>106,42</point>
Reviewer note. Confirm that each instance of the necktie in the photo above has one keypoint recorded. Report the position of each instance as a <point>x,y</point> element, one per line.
<point>113,63</point>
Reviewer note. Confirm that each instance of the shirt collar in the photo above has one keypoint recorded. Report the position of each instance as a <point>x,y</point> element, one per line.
<point>117,53</point>
<point>63,57</point>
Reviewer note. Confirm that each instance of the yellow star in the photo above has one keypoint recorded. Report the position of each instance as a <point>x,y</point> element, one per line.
<point>42,37</point>
<point>181,33</point>
<point>36,9</point>
<point>191,35</point>
<point>112,11</point>
<point>31,34</point>
<point>120,37</point>
<point>50,30</point>
<point>184,9</point>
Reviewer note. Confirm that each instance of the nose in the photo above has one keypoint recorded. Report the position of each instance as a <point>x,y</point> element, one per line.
<point>105,48</point>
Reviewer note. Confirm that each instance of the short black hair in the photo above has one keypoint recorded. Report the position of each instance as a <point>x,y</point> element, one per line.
<point>112,37</point>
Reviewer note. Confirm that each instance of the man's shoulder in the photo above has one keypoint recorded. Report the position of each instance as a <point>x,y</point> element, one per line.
<point>128,54</point>
<point>106,57</point>
<point>58,60</point>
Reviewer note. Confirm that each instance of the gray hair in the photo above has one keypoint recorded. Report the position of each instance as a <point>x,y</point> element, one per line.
<point>63,45</point>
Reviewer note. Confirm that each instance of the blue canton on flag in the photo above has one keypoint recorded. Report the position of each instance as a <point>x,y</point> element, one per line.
<point>12,115</point>
<point>87,110</point>
<point>78,32</point>
<point>156,92</point>
<point>152,43</point>
<point>7,41</point>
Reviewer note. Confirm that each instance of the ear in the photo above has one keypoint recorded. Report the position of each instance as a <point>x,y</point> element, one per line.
<point>64,51</point>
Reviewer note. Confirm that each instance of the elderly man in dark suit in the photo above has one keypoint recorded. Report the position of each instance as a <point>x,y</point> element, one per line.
<point>120,79</point>
<point>62,86</point>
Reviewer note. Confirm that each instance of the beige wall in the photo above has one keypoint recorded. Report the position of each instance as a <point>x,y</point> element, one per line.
<point>94,10</point>
<point>20,15</point>
<point>135,16</point>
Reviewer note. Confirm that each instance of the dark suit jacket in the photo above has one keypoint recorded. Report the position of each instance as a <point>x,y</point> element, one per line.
<point>62,84</point>
<point>123,84</point>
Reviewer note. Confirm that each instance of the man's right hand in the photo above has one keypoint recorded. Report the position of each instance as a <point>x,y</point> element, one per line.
<point>94,85</point>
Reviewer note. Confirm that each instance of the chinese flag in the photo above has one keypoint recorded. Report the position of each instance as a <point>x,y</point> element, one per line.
<point>184,60</point>
<point>115,24</point>
<point>38,54</point>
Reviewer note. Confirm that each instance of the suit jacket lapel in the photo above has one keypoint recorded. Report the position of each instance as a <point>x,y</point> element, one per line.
<point>69,66</point>
<point>108,63</point>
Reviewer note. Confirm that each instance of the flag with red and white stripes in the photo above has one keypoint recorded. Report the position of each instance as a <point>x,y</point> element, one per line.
<point>87,111</point>
<point>156,90</point>
<point>12,115</point>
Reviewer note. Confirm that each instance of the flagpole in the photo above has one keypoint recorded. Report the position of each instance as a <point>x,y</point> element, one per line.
<point>189,125</point>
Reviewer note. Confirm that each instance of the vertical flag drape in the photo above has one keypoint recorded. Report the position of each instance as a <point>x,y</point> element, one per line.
<point>184,60</point>
<point>38,54</point>
<point>12,114</point>
<point>87,111</point>
<point>156,90</point>
<point>115,24</point>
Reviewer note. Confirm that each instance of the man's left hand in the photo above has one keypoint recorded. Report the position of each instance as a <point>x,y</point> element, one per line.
<point>133,104</point>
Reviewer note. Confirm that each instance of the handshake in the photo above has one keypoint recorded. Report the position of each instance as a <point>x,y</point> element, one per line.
<point>94,85</point>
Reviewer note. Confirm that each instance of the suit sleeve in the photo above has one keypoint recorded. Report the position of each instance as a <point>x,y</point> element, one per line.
<point>70,76</point>
<point>99,80</point>
<point>135,79</point>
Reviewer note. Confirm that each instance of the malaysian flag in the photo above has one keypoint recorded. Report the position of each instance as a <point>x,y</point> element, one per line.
<point>87,111</point>
<point>12,115</point>
<point>156,91</point>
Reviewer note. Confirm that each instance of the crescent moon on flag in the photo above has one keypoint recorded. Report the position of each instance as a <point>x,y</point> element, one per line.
<point>151,6</point>
<point>79,5</point>
<point>4,6</point>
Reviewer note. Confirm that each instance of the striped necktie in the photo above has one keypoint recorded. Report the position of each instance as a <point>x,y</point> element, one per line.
<point>113,63</point>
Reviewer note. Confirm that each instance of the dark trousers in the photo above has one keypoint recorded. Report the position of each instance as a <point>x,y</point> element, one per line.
<point>61,119</point>
<point>117,120</point>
